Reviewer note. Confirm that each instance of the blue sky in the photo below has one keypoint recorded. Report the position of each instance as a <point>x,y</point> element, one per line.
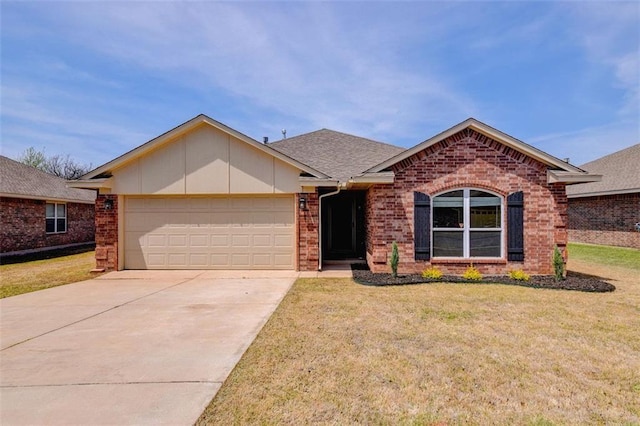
<point>96,79</point>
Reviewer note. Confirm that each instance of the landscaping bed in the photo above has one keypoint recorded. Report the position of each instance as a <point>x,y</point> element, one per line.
<point>363,275</point>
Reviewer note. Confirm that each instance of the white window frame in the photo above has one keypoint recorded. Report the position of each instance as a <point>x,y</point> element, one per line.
<point>55,217</point>
<point>466,230</point>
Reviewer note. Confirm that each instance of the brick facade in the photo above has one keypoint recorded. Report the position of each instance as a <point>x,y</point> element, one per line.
<point>308,232</point>
<point>22,225</point>
<point>608,220</point>
<point>467,159</point>
<point>107,233</point>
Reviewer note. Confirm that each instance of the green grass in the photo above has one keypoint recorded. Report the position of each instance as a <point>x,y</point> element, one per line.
<point>19,278</point>
<point>606,255</point>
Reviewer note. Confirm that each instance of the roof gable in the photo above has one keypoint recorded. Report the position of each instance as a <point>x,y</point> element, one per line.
<point>183,128</point>
<point>620,174</point>
<point>490,132</point>
<point>21,181</point>
<point>339,155</point>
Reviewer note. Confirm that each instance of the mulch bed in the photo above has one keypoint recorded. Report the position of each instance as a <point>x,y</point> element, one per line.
<point>577,282</point>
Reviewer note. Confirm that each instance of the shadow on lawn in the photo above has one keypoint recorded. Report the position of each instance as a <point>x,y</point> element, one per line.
<point>46,254</point>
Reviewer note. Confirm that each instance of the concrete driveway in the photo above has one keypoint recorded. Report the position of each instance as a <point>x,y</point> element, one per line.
<point>131,347</point>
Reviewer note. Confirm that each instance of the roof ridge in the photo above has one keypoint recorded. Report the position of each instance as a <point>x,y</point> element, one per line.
<point>339,132</point>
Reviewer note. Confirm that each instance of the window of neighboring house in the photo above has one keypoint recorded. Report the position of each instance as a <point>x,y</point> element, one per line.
<point>56,218</point>
<point>467,223</point>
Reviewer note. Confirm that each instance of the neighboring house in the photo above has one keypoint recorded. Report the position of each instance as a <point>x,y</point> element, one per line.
<point>38,211</point>
<point>608,212</point>
<point>204,196</point>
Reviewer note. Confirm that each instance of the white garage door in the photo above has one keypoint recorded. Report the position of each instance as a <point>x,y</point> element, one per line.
<point>209,232</point>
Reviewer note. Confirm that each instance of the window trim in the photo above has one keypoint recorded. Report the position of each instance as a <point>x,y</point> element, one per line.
<point>466,230</point>
<point>55,218</point>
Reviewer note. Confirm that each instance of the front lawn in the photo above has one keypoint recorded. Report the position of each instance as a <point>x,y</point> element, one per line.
<point>18,278</point>
<point>336,352</point>
<point>605,255</point>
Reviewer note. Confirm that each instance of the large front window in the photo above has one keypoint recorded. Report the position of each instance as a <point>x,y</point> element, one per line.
<point>467,223</point>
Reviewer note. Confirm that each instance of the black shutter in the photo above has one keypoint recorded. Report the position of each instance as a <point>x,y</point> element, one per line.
<point>422,226</point>
<point>515,226</point>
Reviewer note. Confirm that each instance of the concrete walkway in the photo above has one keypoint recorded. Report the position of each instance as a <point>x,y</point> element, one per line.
<point>131,347</point>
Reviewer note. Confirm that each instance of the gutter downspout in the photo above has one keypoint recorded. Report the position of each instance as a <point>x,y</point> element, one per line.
<point>320,223</point>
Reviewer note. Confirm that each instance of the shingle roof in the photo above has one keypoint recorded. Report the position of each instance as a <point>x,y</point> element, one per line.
<point>336,154</point>
<point>19,180</point>
<point>620,174</point>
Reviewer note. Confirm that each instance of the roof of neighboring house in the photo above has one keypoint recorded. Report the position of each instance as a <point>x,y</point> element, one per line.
<point>620,174</point>
<point>336,154</point>
<point>18,180</point>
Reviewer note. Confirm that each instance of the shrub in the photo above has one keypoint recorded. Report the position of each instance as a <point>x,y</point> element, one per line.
<point>558,264</point>
<point>519,275</point>
<point>395,259</point>
<point>472,274</point>
<point>432,273</point>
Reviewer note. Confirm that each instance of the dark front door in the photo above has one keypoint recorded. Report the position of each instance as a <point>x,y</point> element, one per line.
<point>343,226</point>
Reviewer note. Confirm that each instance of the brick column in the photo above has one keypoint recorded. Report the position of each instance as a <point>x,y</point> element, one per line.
<point>106,233</point>
<point>308,238</point>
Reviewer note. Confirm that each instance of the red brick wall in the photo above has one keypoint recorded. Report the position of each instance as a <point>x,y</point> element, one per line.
<point>608,220</point>
<point>107,233</point>
<point>22,225</point>
<point>308,241</point>
<point>467,159</point>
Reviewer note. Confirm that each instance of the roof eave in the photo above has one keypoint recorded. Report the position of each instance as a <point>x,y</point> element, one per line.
<point>55,199</point>
<point>373,178</point>
<point>605,193</point>
<point>318,182</point>
<point>96,183</point>
<point>563,176</point>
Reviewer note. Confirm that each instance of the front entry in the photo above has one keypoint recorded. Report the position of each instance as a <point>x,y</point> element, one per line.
<point>343,226</point>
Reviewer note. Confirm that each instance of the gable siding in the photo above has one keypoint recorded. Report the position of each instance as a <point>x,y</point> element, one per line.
<point>206,161</point>
<point>464,161</point>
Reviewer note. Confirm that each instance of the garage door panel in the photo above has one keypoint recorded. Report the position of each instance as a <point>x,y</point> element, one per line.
<point>178,240</point>
<point>156,240</point>
<point>240,260</point>
<point>282,259</point>
<point>241,241</point>
<point>198,259</point>
<point>219,261</point>
<point>219,241</point>
<point>209,232</point>
<point>199,241</point>
<point>262,240</point>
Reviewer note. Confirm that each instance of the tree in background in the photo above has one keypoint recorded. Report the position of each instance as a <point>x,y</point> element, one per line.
<point>58,165</point>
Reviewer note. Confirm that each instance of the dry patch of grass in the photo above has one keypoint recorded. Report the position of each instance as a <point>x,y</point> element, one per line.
<point>336,352</point>
<point>26,277</point>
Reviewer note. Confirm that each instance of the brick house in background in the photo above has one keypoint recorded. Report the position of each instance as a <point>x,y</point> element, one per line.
<point>205,196</point>
<point>39,212</point>
<point>608,212</point>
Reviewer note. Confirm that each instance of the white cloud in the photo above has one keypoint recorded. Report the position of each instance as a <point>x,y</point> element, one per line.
<point>302,60</point>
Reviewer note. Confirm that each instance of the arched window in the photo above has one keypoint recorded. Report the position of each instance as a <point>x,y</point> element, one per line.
<point>467,223</point>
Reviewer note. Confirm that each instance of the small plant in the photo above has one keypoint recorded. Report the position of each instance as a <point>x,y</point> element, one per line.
<point>558,264</point>
<point>472,274</point>
<point>432,273</point>
<point>395,259</point>
<point>519,275</point>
